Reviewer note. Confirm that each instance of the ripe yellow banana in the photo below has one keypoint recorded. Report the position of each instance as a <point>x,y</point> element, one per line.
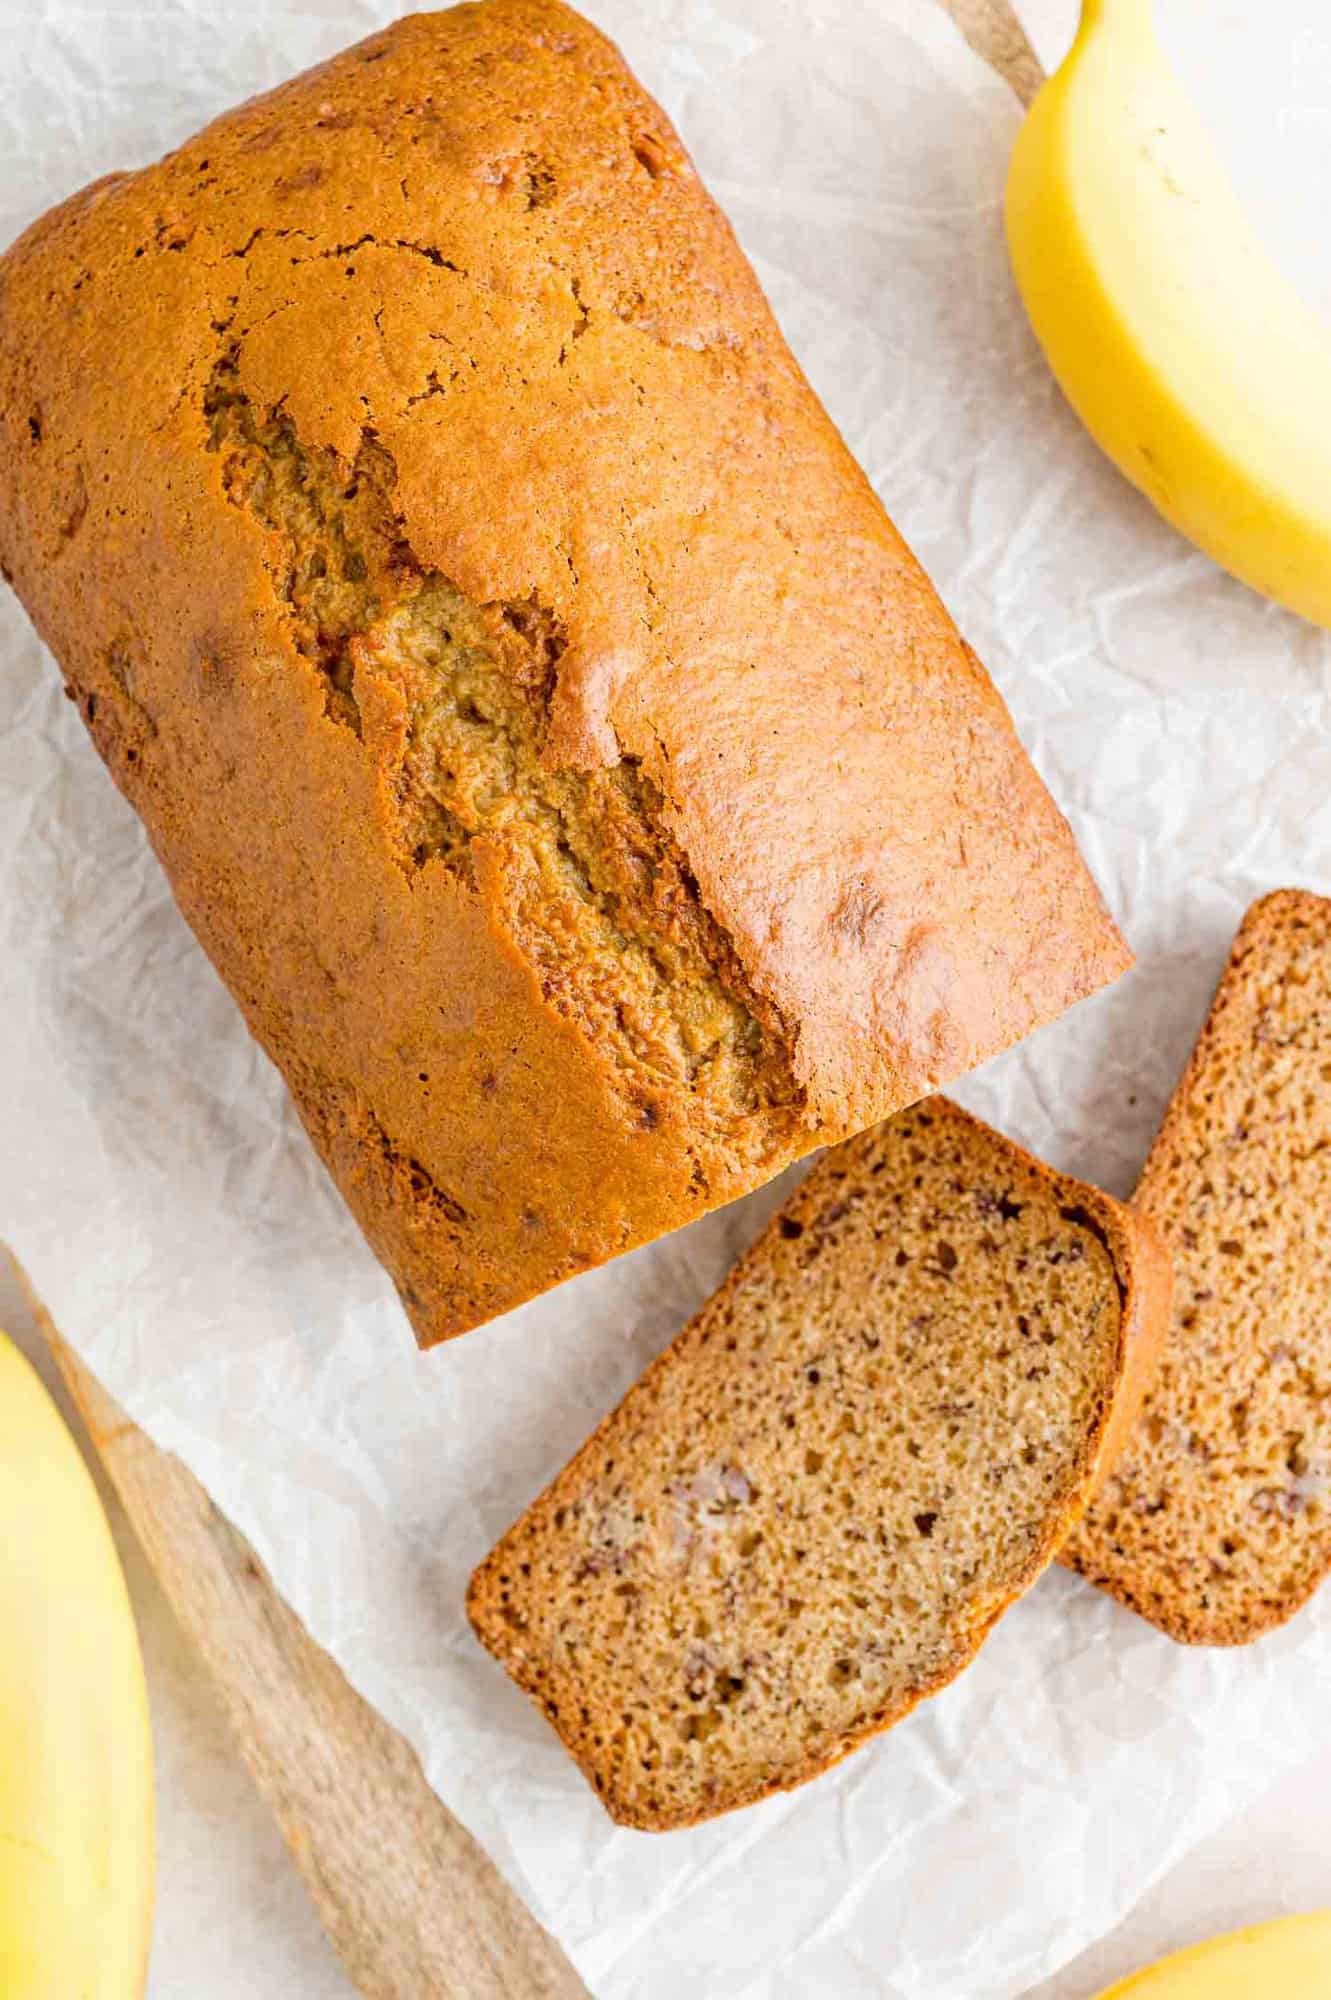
<point>76,1817</point>
<point>1189,357</point>
<point>1285,1960</point>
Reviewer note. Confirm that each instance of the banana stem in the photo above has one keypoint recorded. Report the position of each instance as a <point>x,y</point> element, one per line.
<point>1115,13</point>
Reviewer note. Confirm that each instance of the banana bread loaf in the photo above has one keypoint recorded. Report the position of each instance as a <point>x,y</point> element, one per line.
<point>810,1511</point>
<point>549,738</point>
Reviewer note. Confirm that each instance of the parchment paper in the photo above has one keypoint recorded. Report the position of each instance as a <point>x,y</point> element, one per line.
<point>154,1181</point>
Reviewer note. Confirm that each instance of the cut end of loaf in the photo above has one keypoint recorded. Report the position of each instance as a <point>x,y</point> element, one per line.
<point>810,1511</point>
<point>1215,1522</point>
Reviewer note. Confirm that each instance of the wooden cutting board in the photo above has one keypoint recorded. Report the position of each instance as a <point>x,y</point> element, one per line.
<point>997,36</point>
<point>414,1907</point>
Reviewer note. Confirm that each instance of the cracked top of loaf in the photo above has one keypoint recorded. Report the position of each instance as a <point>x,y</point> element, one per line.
<point>547,733</point>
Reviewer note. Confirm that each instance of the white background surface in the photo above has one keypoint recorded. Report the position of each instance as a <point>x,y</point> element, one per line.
<point>1184,726</point>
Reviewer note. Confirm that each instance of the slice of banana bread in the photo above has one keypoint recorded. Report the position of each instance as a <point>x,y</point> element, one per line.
<point>1216,1521</point>
<point>809,1512</point>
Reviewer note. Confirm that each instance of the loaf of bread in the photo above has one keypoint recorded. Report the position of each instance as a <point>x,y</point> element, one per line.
<point>1216,1520</point>
<point>812,1508</point>
<point>552,743</point>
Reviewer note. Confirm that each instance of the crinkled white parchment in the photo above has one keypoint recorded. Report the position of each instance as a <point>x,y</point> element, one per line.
<point>154,1180</point>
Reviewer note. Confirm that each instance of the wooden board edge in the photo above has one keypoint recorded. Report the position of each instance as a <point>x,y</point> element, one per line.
<point>992,29</point>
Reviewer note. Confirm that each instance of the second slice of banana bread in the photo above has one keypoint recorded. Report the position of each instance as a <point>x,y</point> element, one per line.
<point>1216,1521</point>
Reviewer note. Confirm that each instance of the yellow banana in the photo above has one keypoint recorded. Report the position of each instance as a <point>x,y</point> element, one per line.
<point>1287,1960</point>
<point>76,1816</point>
<point>1190,358</point>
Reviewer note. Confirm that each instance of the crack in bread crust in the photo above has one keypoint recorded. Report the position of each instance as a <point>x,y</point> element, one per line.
<point>599,898</point>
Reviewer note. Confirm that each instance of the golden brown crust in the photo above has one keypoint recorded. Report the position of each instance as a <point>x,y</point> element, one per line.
<point>1148,1297</point>
<point>1206,1520</point>
<point>500,1599</point>
<point>463,286</point>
